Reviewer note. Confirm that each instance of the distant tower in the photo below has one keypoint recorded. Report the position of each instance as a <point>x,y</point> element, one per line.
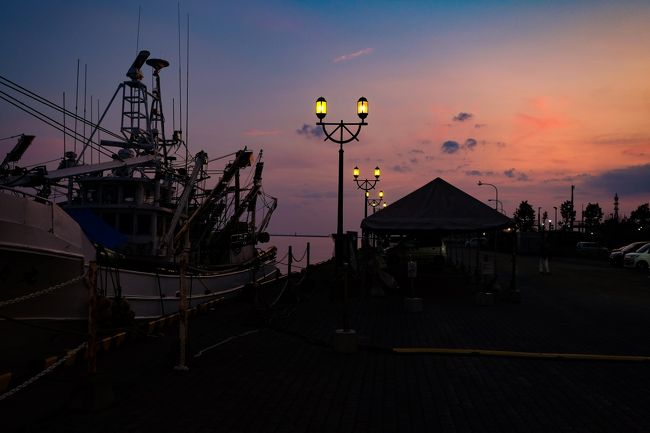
<point>572,218</point>
<point>616,207</point>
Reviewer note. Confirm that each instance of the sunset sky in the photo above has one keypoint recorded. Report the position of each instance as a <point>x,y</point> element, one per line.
<point>533,98</point>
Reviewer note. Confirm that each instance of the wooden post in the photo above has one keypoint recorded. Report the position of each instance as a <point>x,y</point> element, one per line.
<point>182,316</point>
<point>290,262</point>
<point>92,318</point>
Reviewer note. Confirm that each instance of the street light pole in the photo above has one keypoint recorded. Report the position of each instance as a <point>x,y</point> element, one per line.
<point>341,128</point>
<point>374,202</point>
<point>555,207</point>
<point>499,203</point>
<point>496,207</point>
<point>365,185</point>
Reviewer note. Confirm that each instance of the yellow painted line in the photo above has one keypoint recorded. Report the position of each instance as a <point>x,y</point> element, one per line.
<point>5,379</point>
<point>515,354</point>
<point>119,338</point>
<point>106,343</point>
<point>72,357</point>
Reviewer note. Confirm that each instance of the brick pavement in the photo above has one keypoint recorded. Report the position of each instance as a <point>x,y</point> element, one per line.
<point>285,378</point>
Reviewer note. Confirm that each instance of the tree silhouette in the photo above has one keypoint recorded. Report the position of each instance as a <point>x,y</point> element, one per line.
<point>524,217</point>
<point>641,215</point>
<point>593,215</point>
<point>568,213</point>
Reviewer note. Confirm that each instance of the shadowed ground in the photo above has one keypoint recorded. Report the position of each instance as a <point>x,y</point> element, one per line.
<point>279,373</point>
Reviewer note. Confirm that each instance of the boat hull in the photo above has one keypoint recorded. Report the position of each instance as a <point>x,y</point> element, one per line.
<point>24,271</point>
<point>152,295</point>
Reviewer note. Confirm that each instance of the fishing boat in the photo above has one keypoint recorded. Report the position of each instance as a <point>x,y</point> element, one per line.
<point>147,216</point>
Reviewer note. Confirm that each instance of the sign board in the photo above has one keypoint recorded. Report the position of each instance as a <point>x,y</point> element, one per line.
<point>412,269</point>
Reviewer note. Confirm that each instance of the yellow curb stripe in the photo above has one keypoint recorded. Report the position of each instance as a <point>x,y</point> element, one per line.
<point>119,338</point>
<point>72,357</point>
<point>506,353</point>
<point>5,380</point>
<point>106,343</point>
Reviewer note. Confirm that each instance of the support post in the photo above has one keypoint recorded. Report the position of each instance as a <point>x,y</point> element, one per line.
<point>182,313</point>
<point>92,318</point>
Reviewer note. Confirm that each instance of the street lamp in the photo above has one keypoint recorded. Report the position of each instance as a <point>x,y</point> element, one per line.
<point>342,128</point>
<point>555,207</point>
<point>496,207</point>
<point>499,203</point>
<point>366,185</point>
<point>374,202</point>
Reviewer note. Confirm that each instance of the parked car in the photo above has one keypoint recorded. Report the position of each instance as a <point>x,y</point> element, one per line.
<point>616,255</point>
<point>639,259</point>
<point>475,242</point>
<point>591,249</point>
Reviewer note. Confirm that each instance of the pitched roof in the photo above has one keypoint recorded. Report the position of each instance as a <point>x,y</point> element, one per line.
<point>437,206</point>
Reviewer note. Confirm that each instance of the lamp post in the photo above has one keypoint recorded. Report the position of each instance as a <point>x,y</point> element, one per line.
<point>496,207</point>
<point>345,135</point>
<point>366,185</point>
<point>555,207</point>
<point>374,203</point>
<point>499,203</point>
<point>539,218</point>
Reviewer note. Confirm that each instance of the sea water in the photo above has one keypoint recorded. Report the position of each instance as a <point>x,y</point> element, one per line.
<point>321,249</point>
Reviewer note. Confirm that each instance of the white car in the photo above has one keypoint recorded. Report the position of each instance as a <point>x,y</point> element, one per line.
<point>639,259</point>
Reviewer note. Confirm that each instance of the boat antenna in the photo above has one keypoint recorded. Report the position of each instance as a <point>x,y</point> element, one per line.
<point>180,85</point>
<point>99,154</point>
<point>91,121</point>
<point>187,90</point>
<point>137,40</point>
<point>64,145</point>
<point>85,99</point>
<point>76,106</point>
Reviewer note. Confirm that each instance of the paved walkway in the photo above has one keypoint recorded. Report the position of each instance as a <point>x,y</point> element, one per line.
<point>262,371</point>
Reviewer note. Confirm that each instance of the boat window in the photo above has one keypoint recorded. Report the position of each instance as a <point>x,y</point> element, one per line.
<point>144,225</point>
<point>129,194</point>
<point>109,195</point>
<point>160,230</point>
<point>91,196</point>
<point>126,224</point>
<point>148,195</point>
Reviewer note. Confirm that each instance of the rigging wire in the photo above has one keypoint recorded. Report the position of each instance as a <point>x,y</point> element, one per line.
<point>28,93</point>
<point>42,117</point>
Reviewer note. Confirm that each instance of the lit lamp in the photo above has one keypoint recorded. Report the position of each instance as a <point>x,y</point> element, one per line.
<point>344,338</point>
<point>321,108</point>
<point>362,108</point>
<point>366,185</point>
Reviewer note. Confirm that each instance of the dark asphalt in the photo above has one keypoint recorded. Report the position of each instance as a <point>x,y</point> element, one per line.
<point>275,371</point>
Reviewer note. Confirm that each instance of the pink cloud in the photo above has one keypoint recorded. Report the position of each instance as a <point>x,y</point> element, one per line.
<point>354,55</point>
<point>261,132</point>
<point>540,123</point>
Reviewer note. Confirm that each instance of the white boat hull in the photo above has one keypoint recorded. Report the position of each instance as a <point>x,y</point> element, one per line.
<point>152,295</point>
<point>41,246</point>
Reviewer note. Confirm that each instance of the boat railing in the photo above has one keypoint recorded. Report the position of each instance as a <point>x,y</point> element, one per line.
<point>42,200</point>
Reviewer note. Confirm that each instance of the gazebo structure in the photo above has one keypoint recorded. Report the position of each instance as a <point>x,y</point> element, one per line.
<point>436,211</point>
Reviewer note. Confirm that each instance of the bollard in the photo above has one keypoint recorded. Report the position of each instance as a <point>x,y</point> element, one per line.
<point>412,304</point>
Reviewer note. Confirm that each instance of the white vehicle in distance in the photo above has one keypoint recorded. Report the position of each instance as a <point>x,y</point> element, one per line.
<point>639,259</point>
